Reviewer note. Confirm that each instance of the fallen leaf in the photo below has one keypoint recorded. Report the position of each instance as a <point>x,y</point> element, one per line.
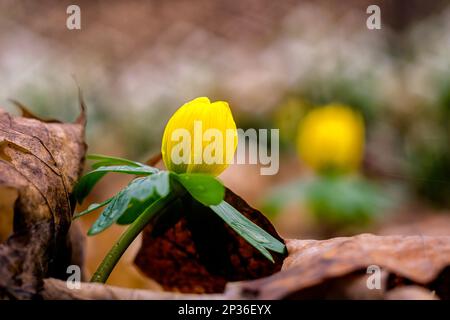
<point>410,293</point>
<point>190,249</point>
<point>313,264</point>
<point>55,289</point>
<point>7,198</point>
<point>412,267</point>
<point>42,161</point>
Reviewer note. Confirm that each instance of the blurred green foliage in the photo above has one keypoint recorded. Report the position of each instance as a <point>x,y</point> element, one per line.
<point>337,201</point>
<point>345,200</point>
<point>429,152</point>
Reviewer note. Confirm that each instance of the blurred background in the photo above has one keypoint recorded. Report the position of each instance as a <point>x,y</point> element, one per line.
<point>276,62</point>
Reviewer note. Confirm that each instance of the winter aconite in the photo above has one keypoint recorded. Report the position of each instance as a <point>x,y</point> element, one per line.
<point>199,142</point>
<point>201,137</point>
<point>331,138</point>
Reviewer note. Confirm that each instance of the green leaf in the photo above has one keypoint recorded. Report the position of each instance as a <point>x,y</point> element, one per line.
<point>111,161</point>
<point>135,210</point>
<point>157,183</point>
<point>126,169</point>
<point>85,185</point>
<point>111,213</point>
<point>92,207</point>
<point>345,200</point>
<point>160,185</point>
<point>139,190</point>
<point>204,188</point>
<point>89,180</point>
<point>252,233</point>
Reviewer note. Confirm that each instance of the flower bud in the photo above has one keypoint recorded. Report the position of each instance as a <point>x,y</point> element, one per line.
<point>200,137</point>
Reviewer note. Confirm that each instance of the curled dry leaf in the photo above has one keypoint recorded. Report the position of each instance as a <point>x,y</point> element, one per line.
<point>312,266</point>
<point>412,267</point>
<point>190,249</point>
<point>41,161</point>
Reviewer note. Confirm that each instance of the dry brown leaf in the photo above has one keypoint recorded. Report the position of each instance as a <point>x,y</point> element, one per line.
<point>55,289</point>
<point>410,293</point>
<point>193,250</point>
<point>312,263</point>
<point>7,199</point>
<point>412,268</point>
<point>42,161</point>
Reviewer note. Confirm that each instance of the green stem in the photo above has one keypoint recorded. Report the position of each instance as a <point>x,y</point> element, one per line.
<point>109,262</point>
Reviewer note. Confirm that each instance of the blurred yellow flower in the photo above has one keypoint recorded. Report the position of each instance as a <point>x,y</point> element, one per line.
<point>331,138</point>
<point>200,137</point>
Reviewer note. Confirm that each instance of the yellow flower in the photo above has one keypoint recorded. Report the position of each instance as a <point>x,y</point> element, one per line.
<point>331,138</point>
<point>200,137</point>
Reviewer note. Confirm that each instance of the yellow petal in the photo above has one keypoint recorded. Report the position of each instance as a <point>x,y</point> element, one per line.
<point>197,129</point>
